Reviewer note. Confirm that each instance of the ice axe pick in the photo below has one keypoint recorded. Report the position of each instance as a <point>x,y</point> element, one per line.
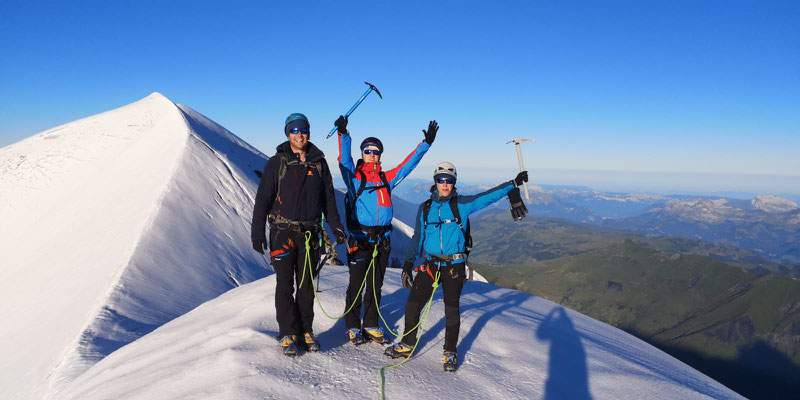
<point>353,108</point>
<point>519,157</point>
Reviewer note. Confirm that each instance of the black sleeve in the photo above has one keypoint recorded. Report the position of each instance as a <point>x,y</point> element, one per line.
<point>264,198</point>
<point>329,200</point>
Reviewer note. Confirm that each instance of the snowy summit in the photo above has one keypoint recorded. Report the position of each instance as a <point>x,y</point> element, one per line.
<point>128,272</point>
<point>113,225</point>
<point>773,204</point>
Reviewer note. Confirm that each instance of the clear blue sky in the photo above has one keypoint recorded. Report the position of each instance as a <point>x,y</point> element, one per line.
<point>618,94</point>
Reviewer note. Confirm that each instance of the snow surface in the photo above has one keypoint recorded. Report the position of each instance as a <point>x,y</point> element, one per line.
<point>513,345</point>
<point>111,226</point>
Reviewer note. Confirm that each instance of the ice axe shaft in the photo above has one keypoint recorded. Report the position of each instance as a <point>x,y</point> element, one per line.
<point>521,165</point>
<point>353,108</point>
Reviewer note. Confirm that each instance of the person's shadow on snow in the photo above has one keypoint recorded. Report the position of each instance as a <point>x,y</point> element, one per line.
<point>567,376</point>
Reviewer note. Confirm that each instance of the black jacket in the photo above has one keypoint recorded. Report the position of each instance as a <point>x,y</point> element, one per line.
<point>304,193</point>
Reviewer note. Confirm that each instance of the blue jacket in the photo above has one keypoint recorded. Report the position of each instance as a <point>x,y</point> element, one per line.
<point>373,207</point>
<point>448,238</point>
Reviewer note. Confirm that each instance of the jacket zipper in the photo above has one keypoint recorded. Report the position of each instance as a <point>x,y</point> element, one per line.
<point>441,246</point>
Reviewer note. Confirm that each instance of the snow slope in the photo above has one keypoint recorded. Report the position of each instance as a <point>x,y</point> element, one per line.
<point>512,345</point>
<point>111,226</point>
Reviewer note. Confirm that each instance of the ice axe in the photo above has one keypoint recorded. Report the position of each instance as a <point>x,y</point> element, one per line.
<point>353,108</point>
<point>519,157</point>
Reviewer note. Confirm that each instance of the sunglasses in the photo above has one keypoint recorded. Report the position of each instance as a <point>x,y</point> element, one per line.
<point>304,131</point>
<point>448,181</point>
<point>376,152</point>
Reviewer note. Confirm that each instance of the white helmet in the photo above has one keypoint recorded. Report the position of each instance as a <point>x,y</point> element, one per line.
<point>445,168</point>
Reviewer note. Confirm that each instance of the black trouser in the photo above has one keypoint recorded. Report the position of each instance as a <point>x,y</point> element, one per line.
<point>359,261</point>
<point>452,280</point>
<point>295,314</point>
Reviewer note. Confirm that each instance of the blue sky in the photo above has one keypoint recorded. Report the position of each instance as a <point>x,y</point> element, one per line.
<point>624,95</point>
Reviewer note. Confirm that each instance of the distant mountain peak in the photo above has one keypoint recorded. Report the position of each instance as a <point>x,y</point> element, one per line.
<point>697,209</point>
<point>773,204</point>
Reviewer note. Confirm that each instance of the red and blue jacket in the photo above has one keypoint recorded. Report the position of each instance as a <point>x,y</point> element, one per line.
<point>373,207</point>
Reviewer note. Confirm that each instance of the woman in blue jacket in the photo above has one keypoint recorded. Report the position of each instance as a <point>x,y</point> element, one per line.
<point>440,236</point>
<point>369,222</point>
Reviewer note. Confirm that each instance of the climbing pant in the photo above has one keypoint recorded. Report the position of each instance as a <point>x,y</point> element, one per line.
<point>294,309</point>
<point>452,281</point>
<point>359,257</point>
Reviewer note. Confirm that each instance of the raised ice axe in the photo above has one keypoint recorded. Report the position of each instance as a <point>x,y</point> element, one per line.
<point>519,157</point>
<point>353,108</point>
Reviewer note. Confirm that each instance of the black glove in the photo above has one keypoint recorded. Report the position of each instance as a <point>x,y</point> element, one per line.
<point>341,124</point>
<point>341,237</point>
<point>408,274</point>
<point>259,245</point>
<point>430,134</point>
<point>518,209</point>
<point>521,177</point>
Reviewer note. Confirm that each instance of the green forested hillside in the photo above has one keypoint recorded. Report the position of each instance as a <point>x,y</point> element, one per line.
<point>741,329</point>
<point>500,241</point>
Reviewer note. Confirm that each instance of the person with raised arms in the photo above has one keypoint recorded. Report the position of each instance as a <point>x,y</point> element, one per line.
<point>441,239</point>
<point>369,222</point>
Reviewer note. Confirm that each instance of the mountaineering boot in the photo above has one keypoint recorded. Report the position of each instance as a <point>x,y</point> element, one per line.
<point>450,361</point>
<point>399,350</point>
<point>355,336</point>
<point>375,334</point>
<point>311,342</point>
<point>289,346</point>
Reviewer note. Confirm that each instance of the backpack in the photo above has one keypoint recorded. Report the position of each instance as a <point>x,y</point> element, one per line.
<point>457,219</point>
<point>350,205</point>
<point>285,163</point>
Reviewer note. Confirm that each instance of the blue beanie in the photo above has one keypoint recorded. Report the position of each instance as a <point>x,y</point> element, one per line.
<point>296,120</point>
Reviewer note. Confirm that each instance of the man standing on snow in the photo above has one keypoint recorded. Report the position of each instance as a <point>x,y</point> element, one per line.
<point>441,236</point>
<point>369,221</point>
<point>295,190</point>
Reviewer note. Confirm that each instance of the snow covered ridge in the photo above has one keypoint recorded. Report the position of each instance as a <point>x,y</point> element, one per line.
<point>715,211</point>
<point>773,204</point>
<point>512,346</point>
<point>113,225</point>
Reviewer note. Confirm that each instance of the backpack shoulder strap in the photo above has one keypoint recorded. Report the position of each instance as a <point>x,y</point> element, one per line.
<point>281,172</point>
<point>385,182</point>
<point>466,231</point>
<point>362,185</point>
<point>425,210</point>
<point>456,213</point>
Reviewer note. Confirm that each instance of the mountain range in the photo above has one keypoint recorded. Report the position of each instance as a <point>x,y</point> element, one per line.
<point>767,225</point>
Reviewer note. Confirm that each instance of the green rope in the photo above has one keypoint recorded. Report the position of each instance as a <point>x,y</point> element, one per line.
<point>375,295</point>
<point>307,266</point>
<point>419,336</point>
<point>371,266</point>
<point>307,262</point>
